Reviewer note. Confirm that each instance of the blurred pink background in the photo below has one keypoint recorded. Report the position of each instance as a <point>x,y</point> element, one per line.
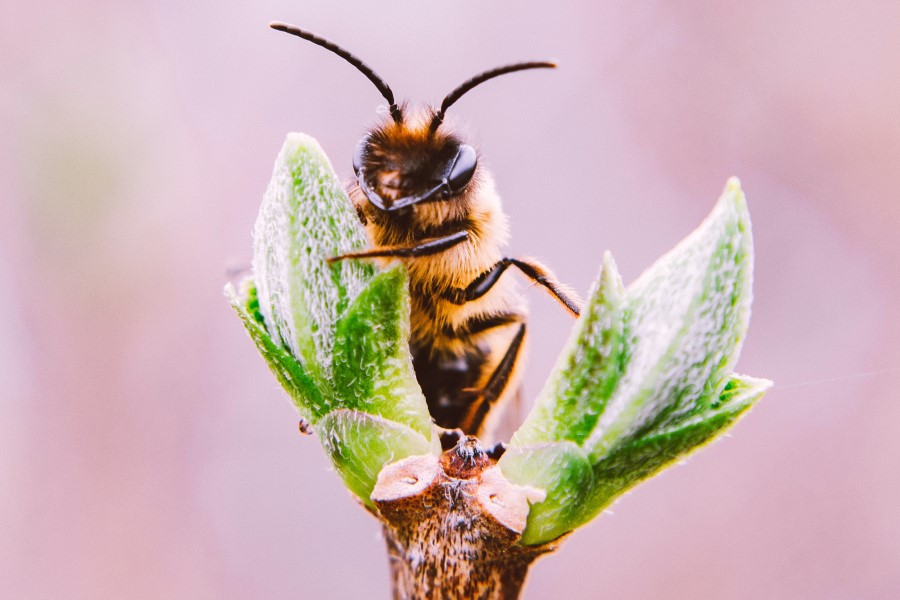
<point>148,453</point>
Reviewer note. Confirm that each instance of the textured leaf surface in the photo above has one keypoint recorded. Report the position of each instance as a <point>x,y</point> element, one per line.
<point>304,219</point>
<point>577,490</point>
<point>290,373</point>
<point>642,457</point>
<point>335,336</point>
<point>642,381</point>
<point>372,366</point>
<point>686,318</point>
<point>588,370</point>
<point>562,470</point>
<point>360,445</point>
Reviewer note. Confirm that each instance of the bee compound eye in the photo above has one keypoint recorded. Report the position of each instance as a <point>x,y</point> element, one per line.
<point>359,154</point>
<point>462,168</point>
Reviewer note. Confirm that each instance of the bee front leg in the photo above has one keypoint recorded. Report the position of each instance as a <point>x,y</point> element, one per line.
<point>425,248</point>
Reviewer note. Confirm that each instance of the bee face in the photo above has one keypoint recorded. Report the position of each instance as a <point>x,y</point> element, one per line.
<point>400,165</point>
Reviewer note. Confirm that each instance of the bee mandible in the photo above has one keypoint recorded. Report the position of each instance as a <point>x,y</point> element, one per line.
<point>423,198</point>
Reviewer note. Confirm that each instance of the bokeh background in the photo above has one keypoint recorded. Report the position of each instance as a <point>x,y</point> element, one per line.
<point>146,452</point>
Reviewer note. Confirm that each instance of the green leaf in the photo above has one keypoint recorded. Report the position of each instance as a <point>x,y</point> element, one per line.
<point>360,445</point>
<point>588,370</point>
<point>286,368</point>
<point>642,457</point>
<point>304,219</point>
<point>576,491</point>
<point>643,379</point>
<point>372,366</point>
<point>687,318</point>
<point>563,472</point>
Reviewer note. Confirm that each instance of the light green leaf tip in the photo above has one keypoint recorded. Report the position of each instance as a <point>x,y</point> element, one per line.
<point>687,317</point>
<point>645,378</point>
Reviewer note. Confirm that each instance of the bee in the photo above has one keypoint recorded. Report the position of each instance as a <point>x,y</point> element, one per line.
<point>424,198</point>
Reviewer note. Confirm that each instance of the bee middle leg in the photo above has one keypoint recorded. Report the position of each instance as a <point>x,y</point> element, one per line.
<point>496,384</point>
<point>531,269</point>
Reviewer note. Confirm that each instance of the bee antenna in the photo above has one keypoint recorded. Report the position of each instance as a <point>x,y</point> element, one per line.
<point>467,85</point>
<point>365,69</point>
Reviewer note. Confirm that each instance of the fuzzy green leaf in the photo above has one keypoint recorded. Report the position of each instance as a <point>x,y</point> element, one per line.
<point>304,219</point>
<point>576,491</point>
<point>563,472</point>
<point>642,457</point>
<point>335,335</point>
<point>372,367</point>
<point>290,373</point>
<point>642,381</point>
<point>588,370</point>
<point>360,445</point>
<point>686,319</point>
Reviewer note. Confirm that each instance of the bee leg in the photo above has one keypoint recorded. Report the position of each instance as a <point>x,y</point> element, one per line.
<point>450,438</point>
<point>496,451</point>
<point>496,384</point>
<point>426,248</point>
<point>531,269</point>
<point>481,324</point>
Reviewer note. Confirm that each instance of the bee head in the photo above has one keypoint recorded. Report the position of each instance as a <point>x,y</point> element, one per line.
<point>407,161</point>
<point>403,164</point>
